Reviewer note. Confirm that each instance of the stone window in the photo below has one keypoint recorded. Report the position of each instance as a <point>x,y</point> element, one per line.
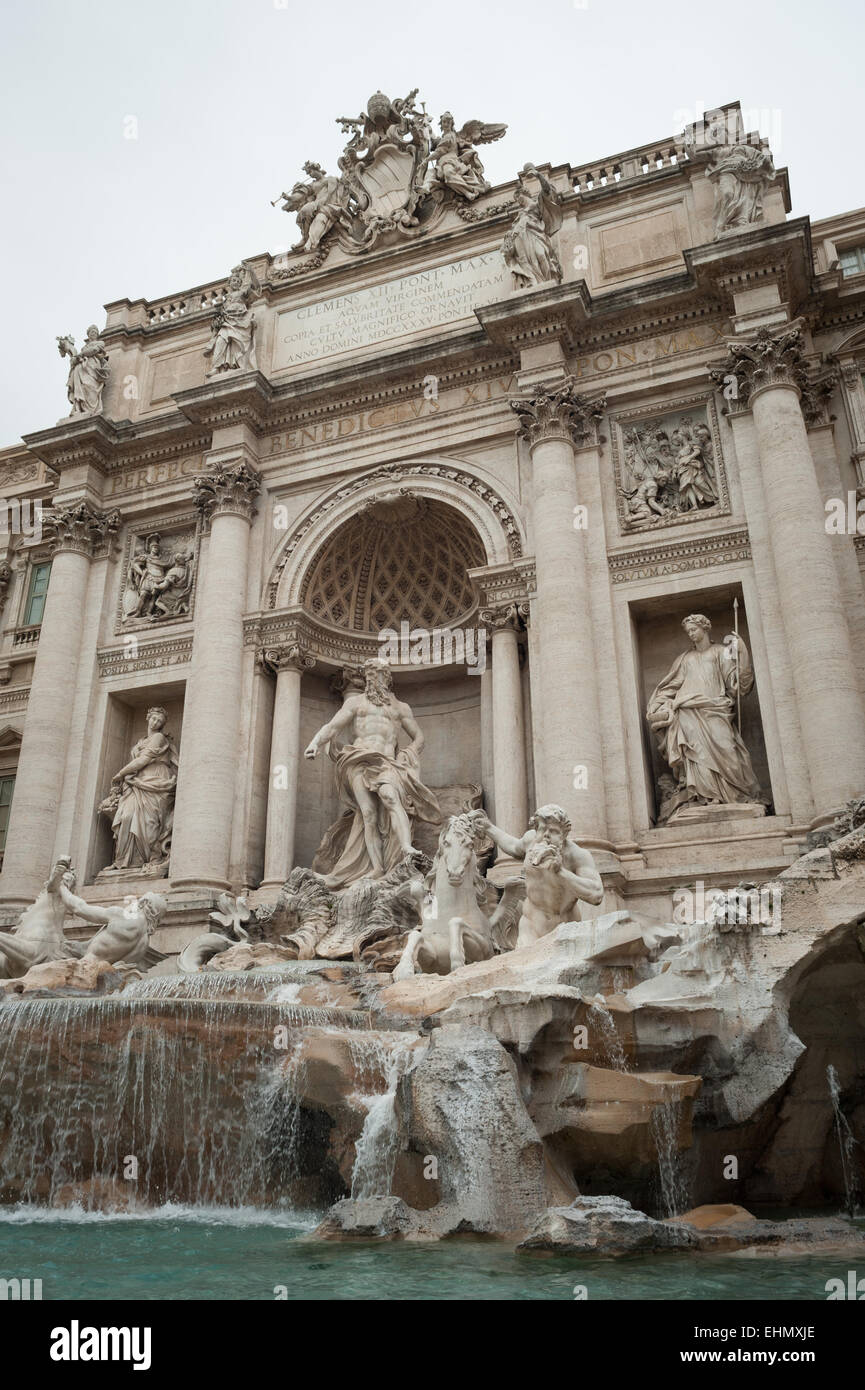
<point>852,260</point>
<point>7,787</point>
<point>37,589</point>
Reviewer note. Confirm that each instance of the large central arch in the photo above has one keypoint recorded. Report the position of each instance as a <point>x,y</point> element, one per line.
<point>441,482</point>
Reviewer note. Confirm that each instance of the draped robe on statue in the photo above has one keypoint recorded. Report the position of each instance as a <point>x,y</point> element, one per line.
<point>700,742</point>
<point>343,855</point>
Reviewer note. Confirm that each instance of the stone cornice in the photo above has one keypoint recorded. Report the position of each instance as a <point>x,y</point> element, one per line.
<point>233,397</point>
<point>136,655</point>
<point>679,557</point>
<point>767,249</point>
<point>531,316</point>
<point>559,412</point>
<point>499,585</point>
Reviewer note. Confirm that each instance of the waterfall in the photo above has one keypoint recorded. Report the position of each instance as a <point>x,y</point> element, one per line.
<point>611,1043</point>
<point>174,1090</point>
<point>665,1121</point>
<point>846,1144</point>
<point>378,1144</point>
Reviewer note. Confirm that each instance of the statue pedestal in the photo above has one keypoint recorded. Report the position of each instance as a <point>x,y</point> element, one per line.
<point>719,811</point>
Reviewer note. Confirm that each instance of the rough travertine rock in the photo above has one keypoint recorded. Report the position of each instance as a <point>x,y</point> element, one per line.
<point>88,975</point>
<point>461,1104</point>
<point>604,1226</point>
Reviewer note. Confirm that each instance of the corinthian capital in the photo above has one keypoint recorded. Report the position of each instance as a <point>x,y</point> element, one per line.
<point>505,615</point>
<point>559,412</point>
<point>231,488</point>
<point>769,359</point>
<point>288,657</point>
<point>80,527</point>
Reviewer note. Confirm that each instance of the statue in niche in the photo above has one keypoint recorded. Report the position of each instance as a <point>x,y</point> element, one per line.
<point>691,715</point>
<point>141,802</point>
<point>559,872</point>
<point>455,162</point>
<point>377,779</point>
<point>88,372</point>
<point>741,173</point>
<point>232,342</point>
<point>527,247</point>
<point>668,472</point>
<point>158,583</point>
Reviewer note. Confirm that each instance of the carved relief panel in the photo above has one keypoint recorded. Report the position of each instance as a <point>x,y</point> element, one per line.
<point>668,465</point>
<point>159,568</point>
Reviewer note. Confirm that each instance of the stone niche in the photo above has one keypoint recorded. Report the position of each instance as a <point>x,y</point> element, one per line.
<point>125,725</point>
<point>659,640</point>
<point>446,702</point>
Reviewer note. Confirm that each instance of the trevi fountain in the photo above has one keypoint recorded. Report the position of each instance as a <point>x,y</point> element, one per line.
<point>434,846</point>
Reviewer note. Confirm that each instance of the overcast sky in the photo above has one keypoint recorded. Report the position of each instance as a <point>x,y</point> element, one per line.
<point>225,99</point>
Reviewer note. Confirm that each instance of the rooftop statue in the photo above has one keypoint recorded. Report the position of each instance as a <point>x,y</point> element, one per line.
<point>88,372</point>
<point>455,162</point>
<point>393,172</point>
<point>378,780</point>
<point>232,342</point>
<point>528,246</point>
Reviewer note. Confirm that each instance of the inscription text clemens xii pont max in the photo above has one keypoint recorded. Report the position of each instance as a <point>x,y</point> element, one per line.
<point>427,299</point>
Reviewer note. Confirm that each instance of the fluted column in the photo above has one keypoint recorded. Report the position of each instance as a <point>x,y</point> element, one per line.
<point>508,719</point>
<point>209,773</point>
<point>77,533</point>
<point>569,769</point>
<point>289,663</point>
<point>772,381</point>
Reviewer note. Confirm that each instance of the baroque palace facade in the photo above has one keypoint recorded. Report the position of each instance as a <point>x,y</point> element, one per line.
<point>539,424</point>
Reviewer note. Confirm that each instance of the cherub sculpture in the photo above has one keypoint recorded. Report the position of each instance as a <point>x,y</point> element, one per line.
<point>454,161</point>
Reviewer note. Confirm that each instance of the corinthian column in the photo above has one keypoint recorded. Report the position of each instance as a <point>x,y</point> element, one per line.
<point>771,380</point>
<point>289,662</point>
<point>569,769</point>
<point>77,533</point>
<point>509,730</point>
<point>208,779</point>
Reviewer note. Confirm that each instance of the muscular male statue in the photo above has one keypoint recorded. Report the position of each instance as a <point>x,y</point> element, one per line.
<point>378,780</point>
<point>559,872</point>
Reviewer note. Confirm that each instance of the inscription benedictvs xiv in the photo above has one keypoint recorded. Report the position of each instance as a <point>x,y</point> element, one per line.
<point>428,299</point>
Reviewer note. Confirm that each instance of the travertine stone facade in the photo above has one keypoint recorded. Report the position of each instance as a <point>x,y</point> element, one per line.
<point>377,436</point>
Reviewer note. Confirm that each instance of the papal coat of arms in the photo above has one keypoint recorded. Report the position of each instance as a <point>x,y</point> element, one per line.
<point>394,174</point>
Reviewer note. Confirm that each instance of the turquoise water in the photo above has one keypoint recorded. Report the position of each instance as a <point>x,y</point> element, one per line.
<point>181,1253</point>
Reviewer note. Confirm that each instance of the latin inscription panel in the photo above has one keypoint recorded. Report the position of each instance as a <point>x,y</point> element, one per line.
<point>428,299</point>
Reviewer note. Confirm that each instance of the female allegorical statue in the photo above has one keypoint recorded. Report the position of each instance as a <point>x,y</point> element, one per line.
<point>88,372</point>
<point>232,343</point>
<point>691,714</point>
<point>528,247</point>
<point>141,800</point>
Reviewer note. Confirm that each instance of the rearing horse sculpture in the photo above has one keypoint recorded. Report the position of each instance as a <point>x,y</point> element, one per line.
<point>459,930</point>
